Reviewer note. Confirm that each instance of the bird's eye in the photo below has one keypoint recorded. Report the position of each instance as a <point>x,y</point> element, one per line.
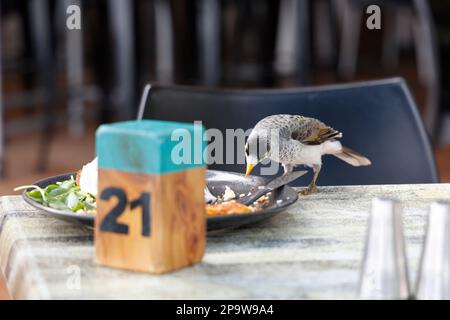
<point>246,149</point>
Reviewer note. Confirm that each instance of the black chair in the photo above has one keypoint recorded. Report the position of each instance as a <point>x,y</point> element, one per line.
<point>378,119</point>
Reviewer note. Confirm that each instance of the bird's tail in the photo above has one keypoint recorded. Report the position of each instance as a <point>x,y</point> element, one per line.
<point>352,157</point>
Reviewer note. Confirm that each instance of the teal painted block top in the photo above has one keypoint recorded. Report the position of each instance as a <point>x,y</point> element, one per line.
<point>150,146</point>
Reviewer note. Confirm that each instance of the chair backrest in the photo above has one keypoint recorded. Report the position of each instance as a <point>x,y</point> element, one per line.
<point>378,119</point>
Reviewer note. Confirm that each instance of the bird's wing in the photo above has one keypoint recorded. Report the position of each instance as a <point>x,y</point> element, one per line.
<point>313,131</point>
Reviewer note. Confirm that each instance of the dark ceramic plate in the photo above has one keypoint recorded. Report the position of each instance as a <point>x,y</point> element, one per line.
<point>217,180</point>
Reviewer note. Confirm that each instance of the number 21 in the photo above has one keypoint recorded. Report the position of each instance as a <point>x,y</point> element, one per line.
<point>110,224</point>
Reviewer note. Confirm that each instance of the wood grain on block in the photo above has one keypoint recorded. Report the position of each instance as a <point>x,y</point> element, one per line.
<point>4,294</point>
<point>177,225</point>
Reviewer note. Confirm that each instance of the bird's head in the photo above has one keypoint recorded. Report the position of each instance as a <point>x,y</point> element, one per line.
<point>256,150</point>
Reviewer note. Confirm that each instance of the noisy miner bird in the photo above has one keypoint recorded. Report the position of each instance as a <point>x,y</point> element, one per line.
<point>296,140</point>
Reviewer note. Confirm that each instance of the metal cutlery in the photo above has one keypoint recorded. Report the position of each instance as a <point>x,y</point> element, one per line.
<point>272,185</point>
<point>261,190</point>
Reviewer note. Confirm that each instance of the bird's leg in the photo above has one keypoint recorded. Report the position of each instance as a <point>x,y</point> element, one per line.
<point>288,168</point>
<point>312,186</point>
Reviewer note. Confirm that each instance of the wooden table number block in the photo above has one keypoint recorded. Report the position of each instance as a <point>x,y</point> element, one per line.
<point>150,206</point>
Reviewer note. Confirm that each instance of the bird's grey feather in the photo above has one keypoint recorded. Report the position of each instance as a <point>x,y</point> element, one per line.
<point>303,129</point>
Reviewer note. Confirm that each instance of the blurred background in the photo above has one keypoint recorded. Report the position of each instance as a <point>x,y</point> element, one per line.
<point>59,84</point>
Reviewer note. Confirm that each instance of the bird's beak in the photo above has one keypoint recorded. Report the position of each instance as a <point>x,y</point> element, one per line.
<point>249,169</point>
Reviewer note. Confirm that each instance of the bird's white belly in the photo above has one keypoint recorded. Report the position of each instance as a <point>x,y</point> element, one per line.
<point>309,158</point>
<point>300,154</point>
<point>309,155</point>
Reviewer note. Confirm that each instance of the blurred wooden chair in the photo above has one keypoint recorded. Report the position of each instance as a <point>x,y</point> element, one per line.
<point>36,20</point>
<point>419,21</point>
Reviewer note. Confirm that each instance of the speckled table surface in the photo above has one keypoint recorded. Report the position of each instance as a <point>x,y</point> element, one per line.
<point>311,251</point>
